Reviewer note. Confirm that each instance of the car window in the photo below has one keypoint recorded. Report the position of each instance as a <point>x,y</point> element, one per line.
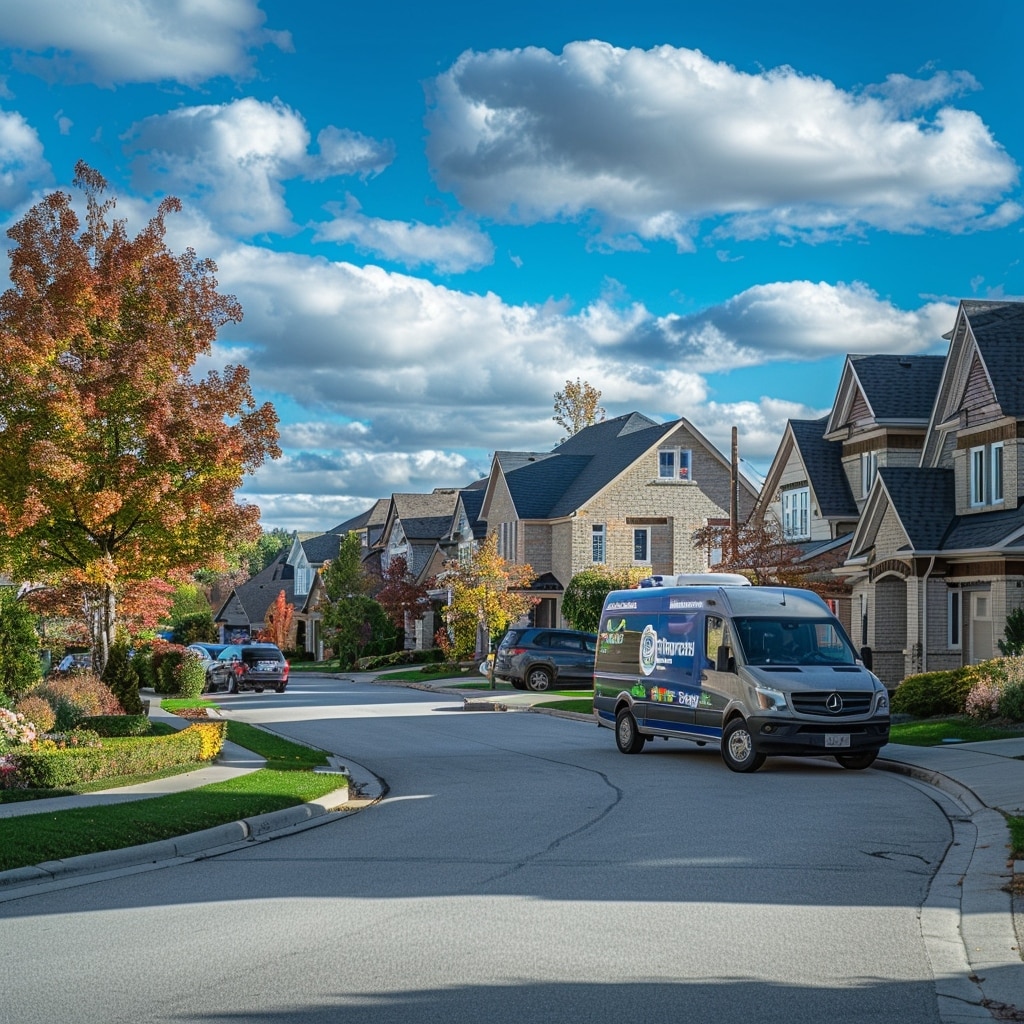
<point>254,655</point>
<point>511,638</point>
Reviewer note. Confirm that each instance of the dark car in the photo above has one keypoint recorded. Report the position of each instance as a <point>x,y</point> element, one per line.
<point>207,654</point>
<point>249,667</point>
<point>537,659</point>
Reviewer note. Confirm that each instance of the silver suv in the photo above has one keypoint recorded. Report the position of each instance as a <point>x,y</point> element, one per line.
<point>537,658</point>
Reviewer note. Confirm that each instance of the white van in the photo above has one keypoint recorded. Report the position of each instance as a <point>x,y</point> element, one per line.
<point>758,670</point>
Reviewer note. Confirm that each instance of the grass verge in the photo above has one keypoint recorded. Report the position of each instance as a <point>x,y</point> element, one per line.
<point>930,732</point>
<point>1016,837</point>
<point>582,706</point>
<point>286,781</point>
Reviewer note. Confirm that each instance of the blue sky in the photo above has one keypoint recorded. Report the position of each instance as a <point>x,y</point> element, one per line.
<point>435,215</point>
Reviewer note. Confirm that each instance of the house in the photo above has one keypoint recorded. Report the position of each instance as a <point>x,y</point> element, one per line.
<point>808,494</point>
<point>430,531</point>
<point>937,559</point>
<point>623,492</point>
<point>243,613</point>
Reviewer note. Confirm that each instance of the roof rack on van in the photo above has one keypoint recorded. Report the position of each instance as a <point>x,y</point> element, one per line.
<point>697,579</point>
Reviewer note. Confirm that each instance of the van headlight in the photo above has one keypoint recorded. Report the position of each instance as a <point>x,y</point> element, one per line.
<point>769,699</point>
<point>883,701</point>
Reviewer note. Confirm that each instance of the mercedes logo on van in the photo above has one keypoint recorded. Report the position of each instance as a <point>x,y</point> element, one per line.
<point>834,703</point>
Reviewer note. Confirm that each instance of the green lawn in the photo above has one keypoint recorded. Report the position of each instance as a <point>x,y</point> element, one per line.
<point>930,732</point>
<point>286,782</point>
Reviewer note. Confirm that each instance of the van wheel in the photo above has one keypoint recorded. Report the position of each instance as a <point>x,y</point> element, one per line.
<point>856,762</point>
<point>738,748</point>
<point>628,737</point>
<point>538,679</point>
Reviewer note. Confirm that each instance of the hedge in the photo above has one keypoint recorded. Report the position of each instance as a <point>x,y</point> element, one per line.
<point>429,656</point>
<point>58,769</point>
<point>935,694</point>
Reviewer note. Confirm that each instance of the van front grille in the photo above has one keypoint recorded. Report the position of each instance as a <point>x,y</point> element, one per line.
<point>824,702</point>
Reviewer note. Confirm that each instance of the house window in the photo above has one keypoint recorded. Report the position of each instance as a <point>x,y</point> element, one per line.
<point>995,474</point>
<point>675,464</point>
<point>977,464</point>
<point>508,537</point>
<point>642,545</point>
<point>954,619</point>
<point>985,468</point>
<point>597,538</point>
<point>796,513</point>
<point>868,471</point>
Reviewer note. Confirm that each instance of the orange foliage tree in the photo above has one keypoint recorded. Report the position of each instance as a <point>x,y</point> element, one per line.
<point>277,624</point>
<point>116,466</point>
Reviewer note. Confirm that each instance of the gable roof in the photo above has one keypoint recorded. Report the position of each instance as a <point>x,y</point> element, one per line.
<point>321,548</point>
<point>373,516</point>
<point>998,329</point>
<point>924,500</point>
<point>823,461</point>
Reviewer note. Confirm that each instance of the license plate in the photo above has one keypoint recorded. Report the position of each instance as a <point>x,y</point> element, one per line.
<point>269,666</point>
<point>837,739</point>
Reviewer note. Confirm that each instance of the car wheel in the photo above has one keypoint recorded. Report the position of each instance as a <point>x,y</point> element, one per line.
<point>738,748</point>
<point>281,687</point>
<point>518,684</point>
<point>232,685</point>
<point>538,679</point>
<point>628,737</point>
<point>856,762</point>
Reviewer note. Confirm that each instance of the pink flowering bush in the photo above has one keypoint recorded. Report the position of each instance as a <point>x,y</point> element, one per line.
<point>983,700</point>
<point>15,729</point>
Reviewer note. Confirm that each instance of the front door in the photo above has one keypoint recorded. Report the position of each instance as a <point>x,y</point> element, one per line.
<point>981,648</point>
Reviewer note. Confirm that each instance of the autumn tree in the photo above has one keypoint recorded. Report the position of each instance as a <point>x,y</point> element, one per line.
<point>400,595</point>
<point>767,559</point>
<point>576,406</point>
<point>487,592</point>
<point>116,465</point>
<point>277,623</point>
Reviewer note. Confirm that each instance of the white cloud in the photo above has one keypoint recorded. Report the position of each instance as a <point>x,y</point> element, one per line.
<point>113,41</point>
<point>450,248</point>
<point>652,143</point>
<point>232,159</point>
<point>22,164</point>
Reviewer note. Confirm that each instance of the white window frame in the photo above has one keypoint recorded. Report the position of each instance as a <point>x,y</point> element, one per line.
<point>995,474</point>
<point>976,476</point>
<point>796,513</point>
<point>675,464</point>
<point>598,537</point>
<point>955,618</point>
<point>868,471</point>
<point>646,531</point>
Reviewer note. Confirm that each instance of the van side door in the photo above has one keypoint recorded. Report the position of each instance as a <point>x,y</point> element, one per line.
<point>719,679</point>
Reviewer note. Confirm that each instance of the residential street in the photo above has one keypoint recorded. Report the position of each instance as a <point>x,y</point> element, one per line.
<point>518,869</point>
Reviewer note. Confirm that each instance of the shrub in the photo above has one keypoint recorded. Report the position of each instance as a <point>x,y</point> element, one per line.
<point>166,659</point>
<point>143,665</point>
<point>1011,702</point>
<point>20,668</point>
<point>75,696</point>
<point>195,627</point>
<point>15,730</point>
<point>37,711</point>
<point>123,678</point>
<point>1013,634</point>
<point>983,700</point>
<point>932,693</point>
<point>53,767</point>
<point>190,675</point>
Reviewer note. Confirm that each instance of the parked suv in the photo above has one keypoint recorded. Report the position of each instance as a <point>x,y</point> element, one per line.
<point>537,659</point>
<point>249,667</point>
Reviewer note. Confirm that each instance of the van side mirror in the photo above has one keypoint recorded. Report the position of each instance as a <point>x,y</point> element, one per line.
<point>867,657</point>
<point>723,662</point>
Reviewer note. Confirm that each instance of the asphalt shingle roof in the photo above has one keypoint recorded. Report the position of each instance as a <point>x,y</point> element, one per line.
<point>322,548</point>
<point>925,501</point>
<point>899,387</point>
<point>998,328</point>
<point>823,461</point>
<point>983,530</point>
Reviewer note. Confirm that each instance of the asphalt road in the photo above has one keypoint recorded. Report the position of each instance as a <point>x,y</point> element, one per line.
<point>521,870</point>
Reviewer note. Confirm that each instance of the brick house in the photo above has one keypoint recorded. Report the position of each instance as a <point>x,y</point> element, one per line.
<point>937,558</point>
<point>626,491</point>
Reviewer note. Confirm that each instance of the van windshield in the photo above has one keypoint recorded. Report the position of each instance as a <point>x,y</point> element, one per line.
<point>773,641</point>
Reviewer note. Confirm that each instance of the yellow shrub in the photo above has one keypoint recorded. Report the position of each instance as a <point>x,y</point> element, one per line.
<point>211,735</point>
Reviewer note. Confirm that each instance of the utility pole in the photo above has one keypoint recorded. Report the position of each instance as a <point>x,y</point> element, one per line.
<point>734,496</point>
